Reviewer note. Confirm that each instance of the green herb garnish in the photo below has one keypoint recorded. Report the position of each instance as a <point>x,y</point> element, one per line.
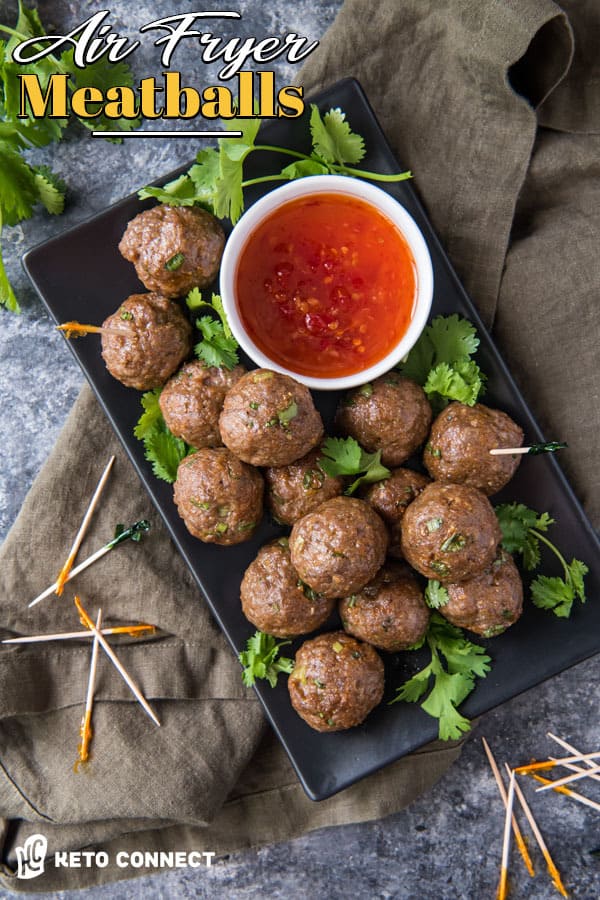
<point>436,594</point>
<point>345,456</point>
<point>441,363</point>
<point>522,531</point>
<point>455,663</point>
<point>175,262</point>
<point>23,185</point>
<point>218,346</point>
<point>259,659</point>
<point>216,180</point>
<point>161,447</point>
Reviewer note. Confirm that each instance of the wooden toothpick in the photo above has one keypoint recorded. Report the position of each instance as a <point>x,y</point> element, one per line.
<point>575,776</point>
<point>64,572</point>
<point>515,825</point>
<point>554,873</point>
<point>133,532</point>
<point>533,449</point>
<point>503,885</point>
<point>76,329</point>
<point>132,630</point>
<point>85,729</point>
<point>589,763</point>
<point>551,763</point>
<point>569,793</point>
<point>118,666</point>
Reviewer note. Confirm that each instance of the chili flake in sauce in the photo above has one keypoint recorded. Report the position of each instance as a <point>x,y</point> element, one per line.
<point>326,285</point>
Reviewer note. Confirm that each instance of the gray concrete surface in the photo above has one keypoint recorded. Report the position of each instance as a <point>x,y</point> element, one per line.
<point>446,845</point>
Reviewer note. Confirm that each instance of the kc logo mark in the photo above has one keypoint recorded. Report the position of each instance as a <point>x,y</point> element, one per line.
<point>31,856</point>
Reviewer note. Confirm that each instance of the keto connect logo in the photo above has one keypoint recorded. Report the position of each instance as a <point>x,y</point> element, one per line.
<point>31,858</point>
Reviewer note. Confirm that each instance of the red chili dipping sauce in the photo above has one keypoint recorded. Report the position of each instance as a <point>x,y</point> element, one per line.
<point>326,286</point>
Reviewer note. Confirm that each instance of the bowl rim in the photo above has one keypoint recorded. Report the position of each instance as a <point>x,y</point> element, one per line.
<point>391,209</point>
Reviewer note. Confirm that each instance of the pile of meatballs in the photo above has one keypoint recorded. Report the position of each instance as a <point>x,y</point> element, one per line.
<point>257,438</point>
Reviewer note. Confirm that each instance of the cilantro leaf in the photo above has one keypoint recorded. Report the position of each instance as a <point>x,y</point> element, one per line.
<point>51,189</point>
<point>161,447</point>
<point>436,594</point>
<point>165,452</point>
<point>218,346</point>
<point>523,529</point>
<point>179,192</point>
<point>228,194</point>
<point>341,456</point>
<point>345,456</point>
<point>7,296</point>
<point>237,148</point>
<point>333,139</point>
<point>304,167</point>
<point>455,663</point>
<point>18,191</point>
<point>152,417</point>
<point>441,362</point>
<point>260,659</point>
<point>215,348</point>
<point>460,381</point>
<point>453,338</point>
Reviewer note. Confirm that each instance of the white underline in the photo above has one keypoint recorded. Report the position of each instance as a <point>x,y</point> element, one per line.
<point>165,134</point>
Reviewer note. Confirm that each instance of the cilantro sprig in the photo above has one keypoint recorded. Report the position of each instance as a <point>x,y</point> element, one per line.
<point>23,185</point>
<point>436,595</point>
<point>218,346</point>
<point>441,362</point>
<point>455,663</point>
<point>216,180</point>
<point>345,456</point>
<point>161,447</point>
<point>523,529</point>
<point>261,659</point>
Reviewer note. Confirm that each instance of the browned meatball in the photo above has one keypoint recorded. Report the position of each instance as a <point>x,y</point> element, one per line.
<point>450,532</point>
<point>459,444</point>
<point>154,338</point>
<point>174,248</point>
<point>336,681</point>
<point>218,497</point>
<point>339,547</point>
<point>297,489</point>
<point>269,419</point>
<point>276,600</point>
<point>389,612</point>
<point>390,498</point>
<point>392,415</point>
<point>487,603</point>
<point>192,400</point>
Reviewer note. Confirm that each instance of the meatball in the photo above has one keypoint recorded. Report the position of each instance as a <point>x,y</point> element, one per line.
<point>392,415</point>
<point>297,489</point>
<point>450,532</point>
<point>218,497</point>
<point>459,444</point>
<point>154,338</point>
<point>192,400</point>
<point>389,612</point>
<point>174,248</point>
<point>269,419</point>
<point>336,681</point>
<point>390,498</point>
<point>487,603</point>
<point>339,547</point>
<point>276,600</point>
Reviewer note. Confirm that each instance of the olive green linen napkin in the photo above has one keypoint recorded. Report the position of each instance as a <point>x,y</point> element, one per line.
<point>505,155</point>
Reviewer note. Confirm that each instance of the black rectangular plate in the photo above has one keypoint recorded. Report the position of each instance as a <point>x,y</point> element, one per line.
<point>81,275</point>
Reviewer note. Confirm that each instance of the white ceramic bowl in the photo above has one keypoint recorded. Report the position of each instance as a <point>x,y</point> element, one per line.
<point>329,184</point>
